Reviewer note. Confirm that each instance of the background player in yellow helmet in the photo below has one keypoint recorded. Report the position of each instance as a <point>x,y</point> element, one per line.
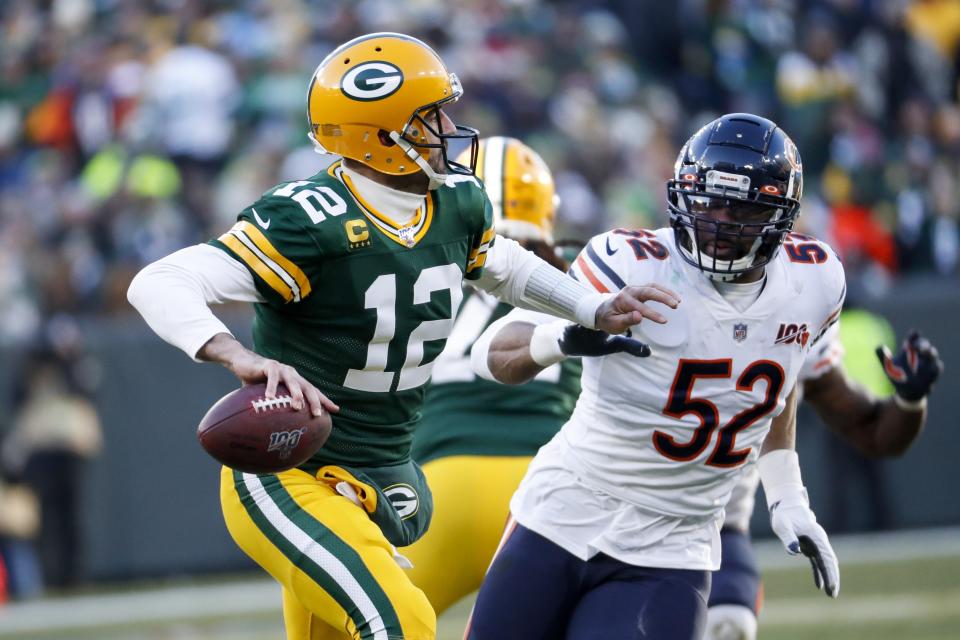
<point>356,275</point>
<point>477,437</point>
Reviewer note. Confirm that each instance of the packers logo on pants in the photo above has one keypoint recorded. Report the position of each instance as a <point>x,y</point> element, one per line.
<point>404,499</point>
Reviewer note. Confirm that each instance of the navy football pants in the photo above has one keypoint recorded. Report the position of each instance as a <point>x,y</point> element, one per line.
<point>537,591</point>
<point>738,580</point>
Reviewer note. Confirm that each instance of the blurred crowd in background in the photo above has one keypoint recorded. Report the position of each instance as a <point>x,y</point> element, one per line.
<point>130,129</point>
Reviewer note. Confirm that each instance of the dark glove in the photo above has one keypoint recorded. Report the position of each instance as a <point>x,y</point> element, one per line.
<point>915,367</point>
<point>580,341</point>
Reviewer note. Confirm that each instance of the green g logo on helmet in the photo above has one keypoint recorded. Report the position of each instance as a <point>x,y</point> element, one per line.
<point>371,81</point>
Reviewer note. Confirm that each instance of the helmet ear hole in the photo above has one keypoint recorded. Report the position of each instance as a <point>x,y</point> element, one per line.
<point>384,136</point>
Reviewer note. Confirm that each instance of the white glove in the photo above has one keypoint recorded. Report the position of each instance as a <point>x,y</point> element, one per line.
<point>793,521</point>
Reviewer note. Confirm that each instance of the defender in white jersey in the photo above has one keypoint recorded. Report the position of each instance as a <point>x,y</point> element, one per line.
<point>618,519</point>
<point>875,427</point>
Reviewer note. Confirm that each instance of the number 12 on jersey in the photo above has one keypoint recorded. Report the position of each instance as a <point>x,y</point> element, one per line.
<point>681,401</point>
<point>381,295</point>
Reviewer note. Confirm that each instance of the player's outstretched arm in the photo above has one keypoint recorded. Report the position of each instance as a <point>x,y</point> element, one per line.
<point>507,356</point>
<point>791,518</point>
<point>520,278</point>
<point>878,427</point>
<point>520,345</point>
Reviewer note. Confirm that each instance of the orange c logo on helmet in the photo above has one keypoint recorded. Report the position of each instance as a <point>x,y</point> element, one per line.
<point>791,154</point>
<point>371,81</point>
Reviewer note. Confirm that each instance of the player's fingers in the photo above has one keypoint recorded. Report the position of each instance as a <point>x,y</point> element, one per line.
<point>272,371</point>
<point>817,579</point>
<point>883,354</point>
<point>672,295</point>
<point>832,578</point>
<point>653,294</point>
<point>621,322</point>
<point>314,399</point>
<point>618,322</point>
<point>647,312</point>
<point>630,346</point>
<point>809,549</point>
<point>329,404</point>
<point>637,311</point>
<point>292,381</point>
<point>317,401</point>
<point>831,572</point>
<point>824,560</point>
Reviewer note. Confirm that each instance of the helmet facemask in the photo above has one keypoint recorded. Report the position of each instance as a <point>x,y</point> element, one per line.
<point>413,140</point>
<point>727,232</point>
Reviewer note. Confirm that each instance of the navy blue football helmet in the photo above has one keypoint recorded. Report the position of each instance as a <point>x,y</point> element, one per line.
<point>735,195</point>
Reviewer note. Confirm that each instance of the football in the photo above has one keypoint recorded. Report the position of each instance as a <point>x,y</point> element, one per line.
<point>249,432</point>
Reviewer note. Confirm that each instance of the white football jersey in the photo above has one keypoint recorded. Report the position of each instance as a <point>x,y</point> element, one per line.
<point>672,434</point>
<point>824,356</point>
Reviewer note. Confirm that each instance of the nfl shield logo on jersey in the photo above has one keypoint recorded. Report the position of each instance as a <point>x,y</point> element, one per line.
<point>740,332</point>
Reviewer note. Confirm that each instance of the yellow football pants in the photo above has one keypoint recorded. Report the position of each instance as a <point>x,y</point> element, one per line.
<point>471,502</point>
<point>339,576</point>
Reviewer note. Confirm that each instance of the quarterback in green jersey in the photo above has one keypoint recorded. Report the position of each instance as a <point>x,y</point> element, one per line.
<point>356,277</point>
<point>477,437</point>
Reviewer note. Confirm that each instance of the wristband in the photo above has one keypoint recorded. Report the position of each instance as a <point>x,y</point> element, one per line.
<point>780,475</point>
<point>545,343</point>
<point>910,405</point>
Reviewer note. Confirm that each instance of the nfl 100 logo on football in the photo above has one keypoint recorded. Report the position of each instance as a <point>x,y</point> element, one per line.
<point>285,441</point>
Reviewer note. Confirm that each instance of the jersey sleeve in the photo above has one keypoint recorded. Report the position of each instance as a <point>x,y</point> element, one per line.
<point>833,286</point>
<point>276,247</point>
<point>826,354</point>
<point>483,235</point>
<point>603,263</point>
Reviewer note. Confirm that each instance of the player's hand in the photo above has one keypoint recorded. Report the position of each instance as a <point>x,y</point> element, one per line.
<point>580,341</point>
<point>251,368</point>
<point>627,308</point>
<point>915,367</point>
<point>798,530</point>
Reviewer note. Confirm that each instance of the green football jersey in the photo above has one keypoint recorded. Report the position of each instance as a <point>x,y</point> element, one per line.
<point>360,306</point>
<point>467,415</point>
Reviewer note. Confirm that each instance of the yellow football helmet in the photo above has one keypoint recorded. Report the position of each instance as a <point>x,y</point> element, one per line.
<point>373,99</point>
<point>520,187</point>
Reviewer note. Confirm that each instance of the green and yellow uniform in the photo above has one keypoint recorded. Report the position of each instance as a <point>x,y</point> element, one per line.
<point>361,308</point>
<point>475,441</point>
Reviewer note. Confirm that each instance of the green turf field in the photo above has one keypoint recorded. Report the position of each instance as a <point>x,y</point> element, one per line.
<point>888,591</point>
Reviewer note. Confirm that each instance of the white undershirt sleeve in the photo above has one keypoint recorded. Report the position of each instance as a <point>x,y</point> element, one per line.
<point>520,278</point>
<point>173,294</point>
